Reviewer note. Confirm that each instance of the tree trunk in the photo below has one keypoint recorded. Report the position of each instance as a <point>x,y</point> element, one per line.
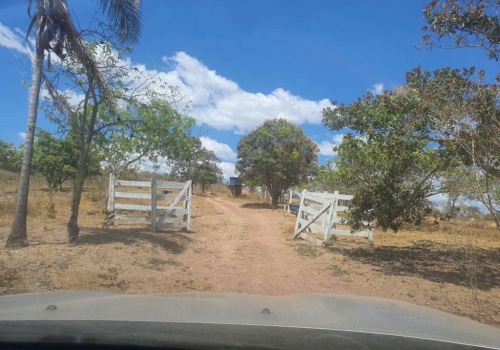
<point>202,187</point>
<point>18,235</point>
<point>73,229</point>
<point>275,198</point>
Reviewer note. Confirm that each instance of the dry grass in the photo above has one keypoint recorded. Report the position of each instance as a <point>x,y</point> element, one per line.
<point>253,197</point>
<point>308,250</point>
<point>450,233</point>
<point>452,266</point>
<point>461,253</point>
<point>287,228</point>
<point>46,208</point>
<point>213,190</point>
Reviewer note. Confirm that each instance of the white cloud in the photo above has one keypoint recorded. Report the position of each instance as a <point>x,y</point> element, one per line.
<point>221,150</point>
<point>326,148</point>
<point>338,138</point>
<point>22,135</point>
<point>440,198</point>
<point>222,104</point>
<point>228,169</point>
<point>214,100</point>
<point>377,89</point>
<point>12,40</point>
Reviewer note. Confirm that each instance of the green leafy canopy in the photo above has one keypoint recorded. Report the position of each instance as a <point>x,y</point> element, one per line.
<point>277,155</point>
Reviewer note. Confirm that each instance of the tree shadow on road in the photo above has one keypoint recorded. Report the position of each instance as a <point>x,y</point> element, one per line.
<point>432,261</point>
<point>174,242</point>
<point>257,206</point>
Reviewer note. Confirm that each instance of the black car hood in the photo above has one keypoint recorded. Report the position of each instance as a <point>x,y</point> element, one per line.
<point>332,312</point>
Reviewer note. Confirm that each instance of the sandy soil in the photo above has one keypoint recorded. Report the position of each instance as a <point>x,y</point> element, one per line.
<point>237,246</point>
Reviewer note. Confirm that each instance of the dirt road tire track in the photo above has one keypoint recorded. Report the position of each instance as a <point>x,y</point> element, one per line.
<point>255,256</point>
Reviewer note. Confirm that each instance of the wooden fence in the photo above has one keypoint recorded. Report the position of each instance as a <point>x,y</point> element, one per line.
<point>318,213</point>
<point>176,196</point>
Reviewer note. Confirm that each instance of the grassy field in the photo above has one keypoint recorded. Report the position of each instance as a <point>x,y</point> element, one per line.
<point>240,245</point>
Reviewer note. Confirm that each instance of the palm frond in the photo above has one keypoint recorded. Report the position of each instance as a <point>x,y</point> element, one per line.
<point>68,38</point>
<point>126,16</point>
<point>58,99</point>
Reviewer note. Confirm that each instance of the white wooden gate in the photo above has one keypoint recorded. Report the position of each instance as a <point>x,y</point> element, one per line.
<point>175,197</point>
<point>318,213</point>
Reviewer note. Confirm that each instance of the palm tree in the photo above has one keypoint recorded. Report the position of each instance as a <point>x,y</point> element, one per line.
<point>56,33</point>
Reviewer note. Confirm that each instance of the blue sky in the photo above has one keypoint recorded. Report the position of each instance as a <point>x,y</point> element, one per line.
<point>240,63</point>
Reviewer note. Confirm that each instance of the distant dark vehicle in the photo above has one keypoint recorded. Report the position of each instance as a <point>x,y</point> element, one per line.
<point>294,208</point>
<point>235,181</point>
<point>96,320</point>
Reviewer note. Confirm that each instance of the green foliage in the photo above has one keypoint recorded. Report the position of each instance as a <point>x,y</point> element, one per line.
<point>130,120</point>
<point>196,163</point>
<point>460,183</point>
<point>392,178</point>
<point>389,164</point>
<point>126,17</point>
<point>463,23</point>
<point>208,174</point>
<point>57,159</point>
<point>460,113</point>
<point>327,179</point>
<point>152,132</point>
<point>10,157</point>
<point>277,155</point>
<point>416,137</point>
<point>139,125</point>
<point>469,212</point>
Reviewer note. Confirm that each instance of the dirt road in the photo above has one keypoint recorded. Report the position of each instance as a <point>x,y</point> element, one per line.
<point>236,246</point>
<point>253,255</point>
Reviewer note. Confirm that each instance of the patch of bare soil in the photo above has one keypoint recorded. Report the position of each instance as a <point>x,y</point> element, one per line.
<point>237,246</point>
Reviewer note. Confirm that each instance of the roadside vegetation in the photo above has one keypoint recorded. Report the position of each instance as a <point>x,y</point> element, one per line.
<point>436,136</point>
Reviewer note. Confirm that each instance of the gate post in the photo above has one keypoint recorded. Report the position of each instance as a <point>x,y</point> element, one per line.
<point>299,213</point>
<point>153,204</point>
<point>331,214</point>
<point>111,198</point>
<point>187,205</point>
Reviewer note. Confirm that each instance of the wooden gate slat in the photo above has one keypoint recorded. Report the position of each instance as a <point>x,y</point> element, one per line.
<point>132,183</point>
<point>168,213</point>
<point>170,184</point>
<point>325,208</point>
<point>326,223</point>
<point>174,203</point>
<point>311,239</point>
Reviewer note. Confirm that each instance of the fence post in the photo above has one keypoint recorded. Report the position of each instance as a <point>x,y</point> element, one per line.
<point>111,198</point>
<point>299,212</point>
<point>371,231</point>
<point>187,205</point>
<point>331,214</point>
<point>334,224</point>
<point>290,195</point>
<point>153,204</point>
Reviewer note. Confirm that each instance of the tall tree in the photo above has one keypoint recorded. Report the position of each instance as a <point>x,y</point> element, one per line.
<point>452,114</point>
<point>55,32</point>
<point>277,155</point>
<point>198,164</point>
<point>138,124</point>
<point>57,159</point>
<point>390,163</point>
<point>10,157</point>
<point>460,113</point>
<point>391,178</point>
<point>463,23</point>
